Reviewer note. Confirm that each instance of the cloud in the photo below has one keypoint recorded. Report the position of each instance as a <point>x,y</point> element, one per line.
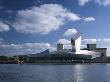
<point>90,40</point>
<point>97,40</point>
<point>70,32</point>
<point>83,46</point>
<point>106,40</point>
<point>100,41</point>
<point>64,41</point>
<point>83,2</point>
<point>88,19</point>
<point>26,48</point>
<point>103,2</point>
<point>103,40</point>
<point>43,19</point>
<point>99,2</point>
<point>4,27</point>
<point>67,43</point>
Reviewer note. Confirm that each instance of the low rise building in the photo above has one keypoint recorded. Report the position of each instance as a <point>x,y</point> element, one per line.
<point>75,53</point>
<point>92,47</point>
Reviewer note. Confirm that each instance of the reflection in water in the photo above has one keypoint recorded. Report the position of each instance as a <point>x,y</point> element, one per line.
<point>55,73</point>
<point>78,74</point>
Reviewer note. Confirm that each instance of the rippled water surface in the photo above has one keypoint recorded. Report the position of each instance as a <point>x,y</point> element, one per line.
<point>55,73</point>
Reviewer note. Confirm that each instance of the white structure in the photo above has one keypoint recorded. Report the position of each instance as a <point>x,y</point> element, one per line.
<point>76,42</point>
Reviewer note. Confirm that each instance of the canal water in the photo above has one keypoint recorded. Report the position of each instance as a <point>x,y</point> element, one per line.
<point>55,73</point>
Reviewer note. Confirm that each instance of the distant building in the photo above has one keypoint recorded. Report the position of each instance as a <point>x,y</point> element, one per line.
<point>76,42</point>
<point>75,53</point>
<point>59,47</point>
<point>42,56</point>
<point>92,47</point>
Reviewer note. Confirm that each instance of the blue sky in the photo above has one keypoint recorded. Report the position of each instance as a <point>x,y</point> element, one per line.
<point>31,26</point>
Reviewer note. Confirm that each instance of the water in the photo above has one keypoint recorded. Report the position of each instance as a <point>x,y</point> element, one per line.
<point>55,73</point>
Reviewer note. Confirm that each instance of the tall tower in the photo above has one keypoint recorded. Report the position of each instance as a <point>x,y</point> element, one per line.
<point>59,47</point>
<point>76,42</point>
<point>73,45</point>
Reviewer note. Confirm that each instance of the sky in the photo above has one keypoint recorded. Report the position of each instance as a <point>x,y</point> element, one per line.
<point>31,26</point>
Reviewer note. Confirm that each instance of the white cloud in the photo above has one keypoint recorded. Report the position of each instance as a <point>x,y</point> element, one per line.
<point>83,2</point>
<point>4,27</point>
<point>106,40</point>
<point>103,2</point>
<point>1,39</point>
<point>64,41</point>
<point>99,40</point>
<point>43,19</point>
<point>70,32</point>
<point>26,48</point>
<point>100,2</point>
<point>88,19</point>
<point>90,40</point>
<point>83,46</point>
